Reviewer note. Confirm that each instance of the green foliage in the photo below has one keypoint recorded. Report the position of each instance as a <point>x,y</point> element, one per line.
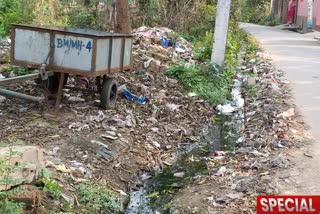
<point>96,198</point>
<point>50,186</point>
<point>209,82</point>
<point>16,70</point>
<point>254,11</point>
<point>14,11</point>
<point>203,47</point>
<point>6,170</point>
<point>234,44</point>
<point>250,45</point>
<point>11,207</point>
<point>82,20</point>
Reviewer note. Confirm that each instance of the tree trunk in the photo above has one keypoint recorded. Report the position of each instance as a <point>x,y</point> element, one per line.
<point>284,13</point>
<point>122,17</point>
<point>274,8</point>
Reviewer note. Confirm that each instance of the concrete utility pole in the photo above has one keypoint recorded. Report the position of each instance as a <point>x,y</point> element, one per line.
<point>221,32</point>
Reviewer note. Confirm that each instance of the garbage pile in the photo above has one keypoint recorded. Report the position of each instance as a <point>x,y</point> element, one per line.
<point>156,48</point>
<point>5,46</point>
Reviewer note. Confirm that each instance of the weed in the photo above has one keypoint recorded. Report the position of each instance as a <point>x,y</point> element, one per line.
<point>96,198</point>
<point>6,169</point>
<point>203,47</point>
<point>49,184</point>
<point>251,46</point>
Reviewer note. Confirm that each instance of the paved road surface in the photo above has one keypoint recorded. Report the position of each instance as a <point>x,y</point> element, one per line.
<point>299,56</point>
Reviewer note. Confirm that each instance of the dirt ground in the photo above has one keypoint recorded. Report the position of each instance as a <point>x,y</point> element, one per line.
<point>142,136</point>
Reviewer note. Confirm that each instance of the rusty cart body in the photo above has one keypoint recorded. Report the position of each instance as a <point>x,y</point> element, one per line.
<point>57,51</point>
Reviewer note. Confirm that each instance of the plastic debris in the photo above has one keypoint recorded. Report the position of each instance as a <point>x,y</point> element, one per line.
<point>192,94</point>
<point>132,97</point>
<point>219,153</point>
<point>221,172</point>
<point>179,174</point>
<point>104,152</point>
<point>110,137</point>
<point>226,109</point>
<point>172,107</point>
<point>76,99</point>
<point>287,114</point>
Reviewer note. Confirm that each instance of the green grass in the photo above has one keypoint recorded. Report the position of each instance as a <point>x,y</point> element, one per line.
<point>209,82</point>
<point>96,198</point>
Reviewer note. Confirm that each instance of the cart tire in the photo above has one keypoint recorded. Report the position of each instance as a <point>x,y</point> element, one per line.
<point>109,93</point>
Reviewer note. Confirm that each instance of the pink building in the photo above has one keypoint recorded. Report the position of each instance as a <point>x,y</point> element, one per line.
<point>308,14</point>
<point>316,14</point>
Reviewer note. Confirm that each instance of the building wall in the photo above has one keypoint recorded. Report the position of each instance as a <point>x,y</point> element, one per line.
<point>303,8</point>
<point>314,7</point>
<point>316,15</point>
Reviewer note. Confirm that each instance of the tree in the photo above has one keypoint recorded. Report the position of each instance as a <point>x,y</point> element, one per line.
<point>279,10</point>
<point>122,17</point>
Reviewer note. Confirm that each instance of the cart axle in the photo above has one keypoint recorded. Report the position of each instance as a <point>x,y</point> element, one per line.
<point>9,93</point>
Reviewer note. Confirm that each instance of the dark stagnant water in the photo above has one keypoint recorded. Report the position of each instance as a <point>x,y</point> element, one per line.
<point>156,193</point>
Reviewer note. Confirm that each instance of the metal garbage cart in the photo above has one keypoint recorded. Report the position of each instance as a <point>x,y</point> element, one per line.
<point>60,51</point>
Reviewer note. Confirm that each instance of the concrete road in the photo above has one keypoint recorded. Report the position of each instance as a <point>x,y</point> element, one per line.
<point>299,56</point>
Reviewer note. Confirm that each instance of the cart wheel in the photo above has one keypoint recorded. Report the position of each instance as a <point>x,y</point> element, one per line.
<point>109,93</point>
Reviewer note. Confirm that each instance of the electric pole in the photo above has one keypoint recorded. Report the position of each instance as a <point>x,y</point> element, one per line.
<point>221,32</point>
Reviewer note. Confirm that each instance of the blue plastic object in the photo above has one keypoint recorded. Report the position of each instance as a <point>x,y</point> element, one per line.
<point>165,42</point>
<point>309,24</point>
<point>134,98</point>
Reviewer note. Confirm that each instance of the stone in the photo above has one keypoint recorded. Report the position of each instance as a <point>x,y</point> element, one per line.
<point>27,194</point>
<point>30,162</point>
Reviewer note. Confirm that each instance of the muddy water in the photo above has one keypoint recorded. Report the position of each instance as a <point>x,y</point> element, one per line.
<point>156,193</point>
